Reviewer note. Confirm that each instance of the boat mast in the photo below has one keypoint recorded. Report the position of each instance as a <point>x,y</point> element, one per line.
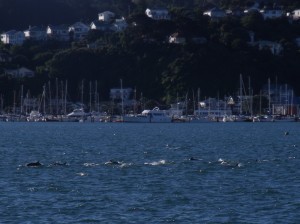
<point>56,95</point>
<point>218,105</point>
<point>62,96</point>
<point>44,98</point>
<point>27,101</point>
<point>286,100</point>
<point>241,93</point>
<point>1,98</point>
<point>122,103</point>
<point>82,94</point>
<point>208,106</point>
<point>194,101</point>
<point>250,98</point>
<point>66,90</point>
<point>198,96</point>
<point>269,94</point>
<point>14,107</point>
<point>260,102</point>
<point>142,101</point>
<point>96,89</point>
<point>177,104</point>
<point>21,111</point>
<point>292,103</point>
<point>134,105</point>
<point>50,99</point>
<point>186,104</point>
<point>90,104</point>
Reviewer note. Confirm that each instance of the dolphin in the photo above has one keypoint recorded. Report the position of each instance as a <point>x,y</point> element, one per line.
<point>286,133</point>
<point>34,164</point>
<point>113,162</point>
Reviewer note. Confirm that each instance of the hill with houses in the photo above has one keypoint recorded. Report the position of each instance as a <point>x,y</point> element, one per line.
<point>161,52</point>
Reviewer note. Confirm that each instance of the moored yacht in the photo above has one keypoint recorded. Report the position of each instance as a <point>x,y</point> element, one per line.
<point>35,116</point>
<point>77,113</point>
<point>149,116</point>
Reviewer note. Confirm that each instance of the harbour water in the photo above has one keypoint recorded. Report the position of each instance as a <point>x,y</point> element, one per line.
<point>158,173</point>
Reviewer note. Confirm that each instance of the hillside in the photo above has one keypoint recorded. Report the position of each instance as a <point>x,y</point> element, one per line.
<point>19,14</point>
<point>141,56</point>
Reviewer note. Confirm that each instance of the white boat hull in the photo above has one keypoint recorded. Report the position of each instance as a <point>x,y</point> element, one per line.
<point>148,116</point>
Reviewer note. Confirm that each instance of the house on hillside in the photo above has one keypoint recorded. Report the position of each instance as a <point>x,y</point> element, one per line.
<point>272,13</point>
<point>295,14</point>
<point>177,38</point>
<point>106,16</point>
<point>60,32</point>
<point>215,13</point>
<point>100,25</point>
<point>19,73</point>
<point>119,25</point>
<point>13,37</point>
<point>5,57</point>
<point>78,30</point>
<point>236,12</point>
<point>158,13</point>
<point>117,94</point>
<point>274,47</point>
<point>36,33</point>
<point>253,8</point>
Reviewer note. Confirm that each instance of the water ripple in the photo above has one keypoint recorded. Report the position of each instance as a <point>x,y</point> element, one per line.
<point>150,173</point>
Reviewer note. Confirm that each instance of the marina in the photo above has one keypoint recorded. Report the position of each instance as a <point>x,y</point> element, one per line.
<point>275,103</point>
<point>149,111</point>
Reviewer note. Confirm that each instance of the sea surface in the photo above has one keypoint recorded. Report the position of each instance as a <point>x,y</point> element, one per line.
<point>150,173</point>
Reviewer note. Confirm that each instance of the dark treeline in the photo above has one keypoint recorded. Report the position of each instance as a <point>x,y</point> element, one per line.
<point>140,55</point>
<point>19,14</point>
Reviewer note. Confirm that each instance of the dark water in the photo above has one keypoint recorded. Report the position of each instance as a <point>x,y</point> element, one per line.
<point>241,173</point>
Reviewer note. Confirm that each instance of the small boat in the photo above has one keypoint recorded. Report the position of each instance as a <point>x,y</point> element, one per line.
<point>77,113</point>
<point>263,118</point>
<point>35,116</point>
<point>199,119</point>
<point>285,119</point>
<point>51,118</point>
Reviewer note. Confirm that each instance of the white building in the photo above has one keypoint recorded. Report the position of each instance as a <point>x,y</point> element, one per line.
<point>13,37</point>
<point>275,48</point>
<point>213,107</point>
<point>106,16</point>
<point>60,32</point>
<point>272,13</point>
<point>296,14</point>
<point>176,38</point>
<point>117,94</point>
<point>158,13</point>
<point>119,25</point>
<point>100,25</point>
<point>36,33</point>
<point>253,8</point>
<point>215,13</point>
<point>19,73</point>
<point>79,30</point>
